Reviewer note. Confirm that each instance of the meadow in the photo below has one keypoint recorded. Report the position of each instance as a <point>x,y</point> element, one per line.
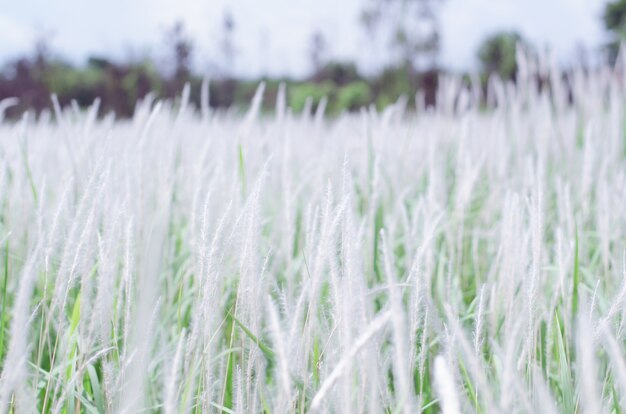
<point>449,259</point>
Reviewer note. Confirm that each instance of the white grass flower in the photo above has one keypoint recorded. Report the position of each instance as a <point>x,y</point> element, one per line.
<point>445,387</point>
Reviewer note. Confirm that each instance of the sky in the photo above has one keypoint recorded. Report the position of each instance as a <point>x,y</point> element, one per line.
<point>274,39</point>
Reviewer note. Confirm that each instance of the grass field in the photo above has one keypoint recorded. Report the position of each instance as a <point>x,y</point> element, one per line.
<point>453,260</point>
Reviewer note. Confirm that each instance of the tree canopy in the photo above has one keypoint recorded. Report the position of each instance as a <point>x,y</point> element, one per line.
<point>497,54</point>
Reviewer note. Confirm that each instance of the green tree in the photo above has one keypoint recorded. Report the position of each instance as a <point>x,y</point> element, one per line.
<point>318,50</point>
<point>181,48</point>
<point>497,54</point>
<point>614,19</point>
<point>410,28</point>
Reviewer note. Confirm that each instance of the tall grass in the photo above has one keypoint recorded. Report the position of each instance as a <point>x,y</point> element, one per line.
<point>459,259</point>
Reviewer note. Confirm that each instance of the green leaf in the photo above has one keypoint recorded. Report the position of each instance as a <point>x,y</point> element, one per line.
<point>316,361</point>
<point>221,407</point>
<point>242,169</point>
<point>75,315</point>
<point>97,394</point>
<point>576,282</point>
<point>4,298</point>
<point>29,174</point>
<point>266,349</point>
<point>378,225</point>
<point>565,383</point>
<point>471,392</point>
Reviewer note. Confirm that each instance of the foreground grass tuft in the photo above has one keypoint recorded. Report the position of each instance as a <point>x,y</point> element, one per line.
<point>457,260</point>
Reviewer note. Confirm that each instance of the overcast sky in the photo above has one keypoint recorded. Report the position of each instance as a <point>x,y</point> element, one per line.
<point>272,36</point>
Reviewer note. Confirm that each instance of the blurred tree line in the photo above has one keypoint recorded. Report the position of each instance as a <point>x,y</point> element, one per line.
<point>408,29</point>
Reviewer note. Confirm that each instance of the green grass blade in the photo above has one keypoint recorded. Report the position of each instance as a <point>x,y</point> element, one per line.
<point>242,169</point>
<point>576,282</point>
<point>4,299</point>
<point>266,349</point>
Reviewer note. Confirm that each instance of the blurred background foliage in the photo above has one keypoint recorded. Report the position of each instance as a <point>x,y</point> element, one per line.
<point>34,77</point>
<point>614,19</point>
